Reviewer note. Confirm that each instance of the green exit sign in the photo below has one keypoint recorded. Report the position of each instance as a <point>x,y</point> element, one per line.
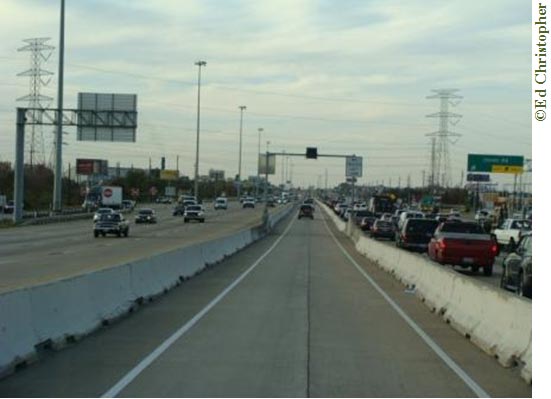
<point>495,163</point>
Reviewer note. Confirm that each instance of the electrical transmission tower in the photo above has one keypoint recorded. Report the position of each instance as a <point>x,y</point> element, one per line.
<point>40,53</point>
<point>440,165</point>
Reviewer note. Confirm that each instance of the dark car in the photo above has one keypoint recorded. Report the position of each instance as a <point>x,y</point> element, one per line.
<point>146,215</point>
<point>382,229</point>
<point>306,211</point>
<point>416,233</point>
<point>359,215</point>
<point>179,210</point>
<point>517,268</point>
<point>111,223</point>
<point>366,223</point>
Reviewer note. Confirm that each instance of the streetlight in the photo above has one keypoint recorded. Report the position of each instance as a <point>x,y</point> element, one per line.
<point>196,188</point>
<point>260,130</point>
<point>59,132</point>
<point>242,108</point>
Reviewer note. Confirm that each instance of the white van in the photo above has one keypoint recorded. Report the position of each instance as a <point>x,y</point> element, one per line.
<point>221,203</point>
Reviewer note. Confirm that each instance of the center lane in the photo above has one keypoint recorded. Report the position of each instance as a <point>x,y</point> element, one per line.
<point>304,323</point>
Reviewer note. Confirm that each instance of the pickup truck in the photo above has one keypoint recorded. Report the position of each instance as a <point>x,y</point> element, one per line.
<point>510,232</point>
<point>463,244</point>
<point>111,223</point>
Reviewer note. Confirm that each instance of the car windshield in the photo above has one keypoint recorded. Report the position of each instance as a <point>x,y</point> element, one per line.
<point>110,217</point>
<point>466,228</point>
<point>221,200</point>
<point>382,224</point>
<point>522,225</point>
<point>104,211</point>
<point>421,226</point>
<point>146,212</point>
<point>306,208</point>
<point>194,208</point>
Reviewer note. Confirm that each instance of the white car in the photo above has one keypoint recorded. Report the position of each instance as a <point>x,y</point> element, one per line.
<point>102,211</point>
<point>221,203</point>
<point>360,207</point>
<point>194,212</point>
<point>511,231</point>
<point>409,215</point>
<point>482,214</point>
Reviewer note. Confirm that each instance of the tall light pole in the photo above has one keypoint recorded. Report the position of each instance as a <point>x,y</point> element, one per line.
<point>260,130</point>
<point>196,187</point>
<point>242,108</point>
<point>59,128</point>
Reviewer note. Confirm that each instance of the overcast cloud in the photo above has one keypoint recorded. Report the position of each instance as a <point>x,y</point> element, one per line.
<point>347,77</point>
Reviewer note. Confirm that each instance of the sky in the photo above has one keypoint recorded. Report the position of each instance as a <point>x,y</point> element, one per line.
<point>347,77</point>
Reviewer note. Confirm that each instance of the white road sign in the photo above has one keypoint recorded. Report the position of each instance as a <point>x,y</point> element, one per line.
<point>354,166</point>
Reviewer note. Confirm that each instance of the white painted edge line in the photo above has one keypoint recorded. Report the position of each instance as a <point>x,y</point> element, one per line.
<point>477,389</point>
<point>145,362</point>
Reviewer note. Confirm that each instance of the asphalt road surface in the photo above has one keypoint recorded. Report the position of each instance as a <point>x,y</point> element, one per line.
<point>32,255</point>
<point>297,314</point>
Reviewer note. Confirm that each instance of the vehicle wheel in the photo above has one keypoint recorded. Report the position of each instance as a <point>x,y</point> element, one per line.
<point>118,233</point>
<point>488,270</point>
<point>202,220</point>
<point>185,220</point>
<point>103,234</point>
<point>96,234</point>
<point>126,233</point>
<point>474,269</point>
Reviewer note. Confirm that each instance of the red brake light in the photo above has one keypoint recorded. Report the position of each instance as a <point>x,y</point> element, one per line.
<point>494,248</point>
<point>441,244</point>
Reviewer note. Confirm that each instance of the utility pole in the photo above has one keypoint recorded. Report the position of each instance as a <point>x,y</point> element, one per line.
<point>241,108</point>
<point>260,130</point>
<point>440,157</point>
<point>196,185</point>
<point>59,127</point>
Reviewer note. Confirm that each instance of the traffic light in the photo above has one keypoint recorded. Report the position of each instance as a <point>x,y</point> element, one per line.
<point>163,163</point>
<point>311,153</point>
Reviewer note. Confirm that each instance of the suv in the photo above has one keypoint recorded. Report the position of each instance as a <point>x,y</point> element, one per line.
<point>517,268</point>
<point>306,211</point>
<point>194,212</point>
<point>221,203</point>
<point>146,215</point>
<point>382,228</point>
<point>102,211</point>
<point>111,223</point>
<point>416,233</point>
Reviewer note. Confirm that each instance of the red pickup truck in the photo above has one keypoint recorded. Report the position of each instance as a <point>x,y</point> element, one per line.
<point>464,244</point>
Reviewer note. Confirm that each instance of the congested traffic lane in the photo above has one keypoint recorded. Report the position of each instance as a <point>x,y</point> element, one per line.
<point>37,254</point>
<point>303,322</point>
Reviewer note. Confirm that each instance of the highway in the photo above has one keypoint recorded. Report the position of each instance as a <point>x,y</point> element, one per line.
<point>32,255</point>
<point>298,314</point>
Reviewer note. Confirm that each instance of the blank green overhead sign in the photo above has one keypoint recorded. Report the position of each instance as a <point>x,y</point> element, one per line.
<point>495,163</point>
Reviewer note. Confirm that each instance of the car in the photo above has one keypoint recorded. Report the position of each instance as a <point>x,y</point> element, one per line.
<point>381,229</point>
<point>102,211</point>
<point>359,215</point>
<point>146,215</point>
<point>415,234</point>
<point>361,206</point>
<point>306,211</point>
<point>194,212</point>
<point>184,197</point>
<point>111,223</point>
<point>308,201</point>
<point>128,204</point>
<point>365,224</point>
<point>221,203</point>
<point>271,202</point>
<point>9,206</point>
<point>482,214</point>
<point>463,244</point>
<point>407,215</point>
<point>164,200</point>
<point>248,203</point>
<point>188,202</point>
<point>517,268</point>
<point>511,230</point>
<point>179,209</point>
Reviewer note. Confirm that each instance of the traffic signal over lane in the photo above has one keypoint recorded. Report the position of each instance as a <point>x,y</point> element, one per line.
<point>311,153</point>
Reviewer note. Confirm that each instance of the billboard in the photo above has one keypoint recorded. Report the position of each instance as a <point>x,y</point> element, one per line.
<point>354,166</point>
<point>262,164</point>
<point>480,177</point>
<point>216,174</point>
<point>169,174</point>
<point>92,167</point>
<point>107,117</point>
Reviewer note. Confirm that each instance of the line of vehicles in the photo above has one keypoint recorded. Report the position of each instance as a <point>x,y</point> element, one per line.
<point>450,239</point>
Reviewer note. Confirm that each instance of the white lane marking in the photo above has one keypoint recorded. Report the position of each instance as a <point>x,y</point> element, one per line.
<point>145,362</point>
<point>477,389</point>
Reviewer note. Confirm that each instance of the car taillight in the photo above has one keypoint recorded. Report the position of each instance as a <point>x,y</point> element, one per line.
<point>494,249</point>
<point>441,244</point>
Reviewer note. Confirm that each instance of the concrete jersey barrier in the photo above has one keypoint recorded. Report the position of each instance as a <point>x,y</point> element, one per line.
<point>495,320</point>
<point>50,315</point>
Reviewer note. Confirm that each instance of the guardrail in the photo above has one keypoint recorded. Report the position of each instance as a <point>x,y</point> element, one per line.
<point>55,314</point>
<point>495,320</point>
